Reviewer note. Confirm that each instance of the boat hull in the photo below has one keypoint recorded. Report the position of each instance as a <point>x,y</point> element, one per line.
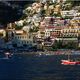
<point>68,62</point>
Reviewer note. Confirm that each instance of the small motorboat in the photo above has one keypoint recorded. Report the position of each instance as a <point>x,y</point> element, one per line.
<point>68,62</point>
<point>8,55</point>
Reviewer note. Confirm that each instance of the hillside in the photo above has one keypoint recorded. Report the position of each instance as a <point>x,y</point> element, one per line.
<point>11,11</point>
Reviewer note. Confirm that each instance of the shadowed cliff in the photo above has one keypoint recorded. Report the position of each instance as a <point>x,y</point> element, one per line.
<point>11,11</point>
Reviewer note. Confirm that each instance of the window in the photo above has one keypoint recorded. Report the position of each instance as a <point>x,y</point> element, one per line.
<point>48,33</point>
<point>15,37</point>
<point>25,37</point>
<point>22,42</point>
<point>30,42</point>
<point>18,37</point>
<point>29,36</point>
<point>27,42</point>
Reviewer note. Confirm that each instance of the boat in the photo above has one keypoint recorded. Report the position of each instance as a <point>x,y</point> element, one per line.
<point>70,62</point>
<point>8,55</point>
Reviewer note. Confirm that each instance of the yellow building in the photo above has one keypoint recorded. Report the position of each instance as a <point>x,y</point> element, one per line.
<point>2,33</point>
<point>67,32</point>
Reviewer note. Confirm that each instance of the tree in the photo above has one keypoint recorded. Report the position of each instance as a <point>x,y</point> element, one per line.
<point>18,27</point>
<point>54,46</point>
<point>35,29</point>
<point>69,45</point>
<point>57,44</point>
<point>72,45</point>
<point>73,2</point>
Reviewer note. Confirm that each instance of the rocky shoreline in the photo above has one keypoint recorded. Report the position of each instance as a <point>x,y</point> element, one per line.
<point>50,53</point>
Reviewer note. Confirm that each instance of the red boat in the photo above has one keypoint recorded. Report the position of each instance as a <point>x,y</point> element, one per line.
<point>68,62</point>
<point>77,62</point>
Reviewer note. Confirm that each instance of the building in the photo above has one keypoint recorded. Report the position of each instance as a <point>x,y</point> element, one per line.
<point>22,38</point>
<point>70,13</point>
<point>2,38</point>
<point>57,9</point>
<point>2,33</point>
<point>10,30</point>
<point>41,32</point>
<point>67,40</point>
<point>49,21</point>
<point>48,31</point>
<point>55,33</point>
<point>70,33</point>
<point>75,22</point>
<point>77,14</point>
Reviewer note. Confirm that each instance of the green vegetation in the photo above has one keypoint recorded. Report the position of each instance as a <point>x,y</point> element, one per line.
<point>35,29</point>
<point>73,2</point>
<point>23,17</point>
<point>57,15</point>
<point>57,45</point>
<point>18,27</point>
<point>62,45</point>
<point>67,17</point>
<point>69,4</point>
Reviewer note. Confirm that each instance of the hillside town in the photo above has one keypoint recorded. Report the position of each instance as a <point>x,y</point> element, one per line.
<point>46,25</point>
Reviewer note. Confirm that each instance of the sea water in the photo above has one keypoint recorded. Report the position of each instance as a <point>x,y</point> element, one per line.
<point>32,67</point>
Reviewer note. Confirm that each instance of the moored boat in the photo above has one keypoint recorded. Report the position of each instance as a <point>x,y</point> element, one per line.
<point>68,62</point>
<point>8,55</point>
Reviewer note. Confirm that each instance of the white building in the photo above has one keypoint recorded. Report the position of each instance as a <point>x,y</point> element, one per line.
<point>48,31</point>
<point>68,13</point>
<point>70,32</point>
<point>22,38</point>
<point>77,14</point>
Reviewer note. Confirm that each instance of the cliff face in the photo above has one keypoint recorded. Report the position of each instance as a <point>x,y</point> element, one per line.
<point>11,11</point>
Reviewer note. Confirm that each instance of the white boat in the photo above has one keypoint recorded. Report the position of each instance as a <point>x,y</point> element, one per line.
<point>8,55</point>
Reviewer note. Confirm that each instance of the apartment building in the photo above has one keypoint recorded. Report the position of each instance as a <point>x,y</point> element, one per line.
<point>22,38</point>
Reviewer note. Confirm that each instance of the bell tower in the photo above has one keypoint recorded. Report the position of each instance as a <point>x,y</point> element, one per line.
<point>10,30</point>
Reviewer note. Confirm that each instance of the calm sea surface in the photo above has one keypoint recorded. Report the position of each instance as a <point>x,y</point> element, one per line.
<point>31,67</point>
